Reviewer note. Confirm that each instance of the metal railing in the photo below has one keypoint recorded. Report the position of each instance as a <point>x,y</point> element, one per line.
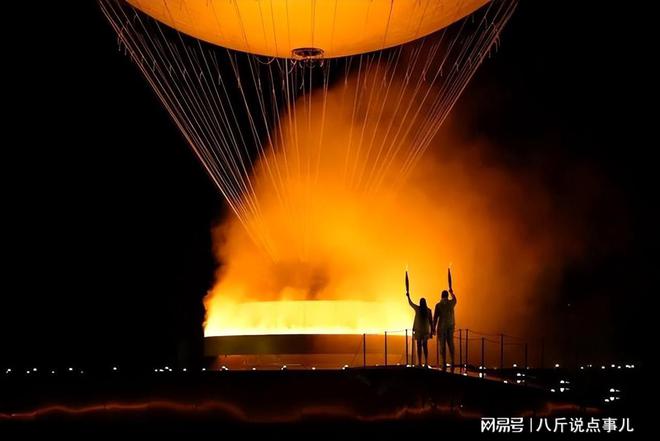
<point>495,350</point>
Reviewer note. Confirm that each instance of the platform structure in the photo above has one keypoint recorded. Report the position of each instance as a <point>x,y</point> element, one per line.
<point>310,350</point>
<point>477,354</point>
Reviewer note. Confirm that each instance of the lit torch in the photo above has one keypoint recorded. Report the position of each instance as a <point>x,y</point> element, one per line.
<point>448,278</point>
<point>407,285</point>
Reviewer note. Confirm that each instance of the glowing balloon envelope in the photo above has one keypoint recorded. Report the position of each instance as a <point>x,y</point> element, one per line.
<point>297,28</point>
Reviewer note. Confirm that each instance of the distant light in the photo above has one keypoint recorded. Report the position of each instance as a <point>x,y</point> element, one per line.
<point>52,372</point>
<point>203,369</point>
<point>561,382</point>
<point>82,372</point>
<point>254,368</point>
<point>590,365</point>
<point>556,365</point>
<point>515,365</point>
<point>612,390</point>
<point>284,367</point>
<point>481,375</point>
<point>224,368</point>
<point>518,381</point>
<point>561,389</point>
<point>552,390</point>
<point>166,367</point>
<point>155,370</point>
<point>518,374</point>
<point>618,367</point>
<point>114,368</point>
<point>567,389</point>
<point>632,366</point>
<point>313,368</point>
<point>602,367</point>
<point>34,369</point>
<point>612,366</point>
<point>70,369</point>
<point>607,400</point>
<point>611,398</point>
<point>185,370</point>
<point>582,368</point>
<point>160,370</point>
<point>28,371</point>
<point>465,374</point>
<point>506,382</point>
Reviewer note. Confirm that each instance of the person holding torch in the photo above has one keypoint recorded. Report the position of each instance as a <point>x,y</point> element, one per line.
<point>443,323</point>
<point>422,326</point>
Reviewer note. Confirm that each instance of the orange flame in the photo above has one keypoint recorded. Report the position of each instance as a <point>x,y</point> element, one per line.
<point>337,233</point>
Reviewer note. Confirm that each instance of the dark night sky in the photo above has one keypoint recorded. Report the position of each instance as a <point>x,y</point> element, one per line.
<point>106,214</point>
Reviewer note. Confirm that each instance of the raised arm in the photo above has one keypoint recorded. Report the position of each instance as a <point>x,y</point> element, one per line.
<point>453,296</point>
<point>410,302</point>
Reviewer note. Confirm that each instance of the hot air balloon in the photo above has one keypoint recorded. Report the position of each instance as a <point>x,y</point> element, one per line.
<point>235,74</point>
<point>286,29</point>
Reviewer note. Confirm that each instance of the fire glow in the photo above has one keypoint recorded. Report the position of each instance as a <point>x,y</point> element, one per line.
<point>333,250</point>
<point>307,317</point>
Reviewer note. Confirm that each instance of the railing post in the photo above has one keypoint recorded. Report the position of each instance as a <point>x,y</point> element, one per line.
<point>460,347</point>
<point>364,350</point>
<point>385,348</point>
<point>407,363</point>
<point>467,339</point>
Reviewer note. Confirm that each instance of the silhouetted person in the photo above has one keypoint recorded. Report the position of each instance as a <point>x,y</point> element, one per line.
<point>443,323</point>
<point>422,328</point>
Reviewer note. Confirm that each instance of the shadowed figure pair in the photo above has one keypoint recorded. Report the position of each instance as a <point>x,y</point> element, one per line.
<point>440,322</point>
